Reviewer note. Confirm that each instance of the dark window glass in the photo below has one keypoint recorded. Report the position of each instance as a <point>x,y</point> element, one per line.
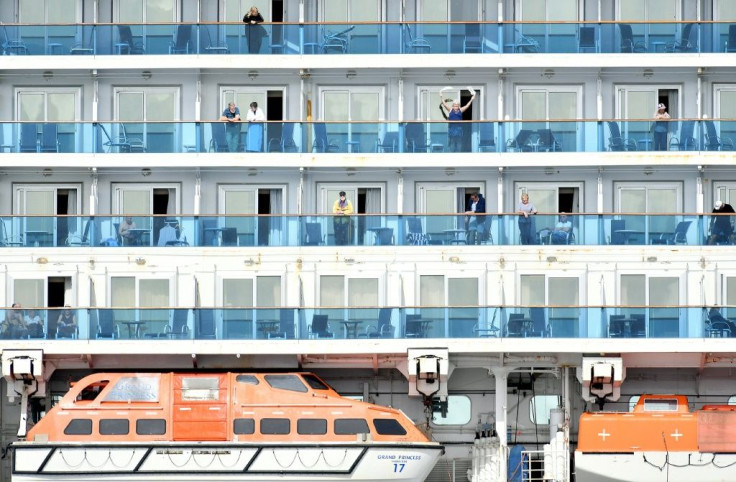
<point>311,426</point>
<point>388,426</point>
<point>114,426</point>
<point>275,426</point>
<point>79,426</point>
<point>350,426</point>
<point>286,382</point>
<point>249,379</point>
<point>314,382</point>
<point>150,426</point>
<point>244,426</point>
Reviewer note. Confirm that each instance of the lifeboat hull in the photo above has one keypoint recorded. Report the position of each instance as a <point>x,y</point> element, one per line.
<point>171,462</point>
<point>655,466</point>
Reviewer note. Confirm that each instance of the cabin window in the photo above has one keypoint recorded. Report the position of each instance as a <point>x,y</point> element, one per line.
<point>314,382</point>
<point>275,426</point>
<point>539,407</point>
<point>79,426</point>
<point>458,411</point>
<point>388,426</point>
<point>351,426</point>
<point>91,391</point>
<point>114,426</point>
<point>134,389</point>
<point>200,389</point>
<point>311,426</point>
<point>244,426</point>
<point>150,426</point>
<point>286,382</point>
<point>660,405</point>
<point>249,379</point>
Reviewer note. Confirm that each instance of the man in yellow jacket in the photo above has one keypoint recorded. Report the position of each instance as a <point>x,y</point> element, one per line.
<point>342,209</point>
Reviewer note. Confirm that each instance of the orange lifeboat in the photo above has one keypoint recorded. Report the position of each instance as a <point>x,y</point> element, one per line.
<point>229,426</point>
<point>660,440</point>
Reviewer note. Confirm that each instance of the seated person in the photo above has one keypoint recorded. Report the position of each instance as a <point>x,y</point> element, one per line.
<point>14,325</point>
<point>34,324</point>
<point>715,317</point>
<point>66,325</point>
<point>721,229</point>
<point>124,230</point>
<point>559,233</point>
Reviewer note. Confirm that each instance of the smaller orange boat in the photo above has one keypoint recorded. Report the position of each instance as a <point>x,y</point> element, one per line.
<point>220,427</point>
<point>660,440</point>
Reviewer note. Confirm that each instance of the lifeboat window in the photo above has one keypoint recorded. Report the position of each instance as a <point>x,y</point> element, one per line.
<point>455,412</point>
<point>388,426</point>
<point>311,426</point>
<point>244,426</point>
<point>731,400</point>
<point>314,382</point>
<point>275,426</point>
<point>200,388</point>
<point>150,426</point>
<point>632,402</point>
<point>660,405</point>
<point>114,426</point>
<point>539,407</point>
<point>351,426</point>
<point>286,382</point>
<point>249,379</point>
<point>134,389</point>
<point>79,426</point>
<point>91,391</point>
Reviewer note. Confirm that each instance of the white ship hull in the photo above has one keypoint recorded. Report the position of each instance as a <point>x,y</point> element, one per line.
<point>655,466</point>
<point>223,462</point>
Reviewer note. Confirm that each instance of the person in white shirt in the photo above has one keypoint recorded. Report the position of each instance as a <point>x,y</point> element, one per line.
<point>255,118</point>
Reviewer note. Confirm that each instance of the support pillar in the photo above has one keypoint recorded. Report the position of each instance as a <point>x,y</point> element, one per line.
<point>500,374</point>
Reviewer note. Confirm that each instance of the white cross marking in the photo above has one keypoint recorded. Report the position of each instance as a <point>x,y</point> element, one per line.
<point>677,435</point>
<point>603,435</point>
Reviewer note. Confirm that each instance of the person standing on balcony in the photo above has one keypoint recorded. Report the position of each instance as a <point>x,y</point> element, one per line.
<point>254,32</point>
<point>342,209</point>
<point>721,229</point>
<point>476,222</point>
<point>231,115</point>
<point>455,128</point>
<point>525,211</point>
<point>661,127</point>
<point>255,118</point>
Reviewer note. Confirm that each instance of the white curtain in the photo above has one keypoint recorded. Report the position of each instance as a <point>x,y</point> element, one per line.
<point>372,206</point>
<point>277,207</point>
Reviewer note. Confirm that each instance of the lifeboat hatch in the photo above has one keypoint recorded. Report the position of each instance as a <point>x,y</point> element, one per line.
<point>200,408</point>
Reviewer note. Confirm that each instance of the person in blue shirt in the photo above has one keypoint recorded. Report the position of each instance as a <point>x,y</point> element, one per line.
<point>231,115</point>
<point>455,128</point>
<point>476,223</point>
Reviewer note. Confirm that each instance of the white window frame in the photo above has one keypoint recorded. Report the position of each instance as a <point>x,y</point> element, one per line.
<point>223,189</point>
<point>77,12</point>
<point>380,276</point>
<point>220,294</point>
<point>174,15</point>
<point>479,275</point>
<point>681,296</point>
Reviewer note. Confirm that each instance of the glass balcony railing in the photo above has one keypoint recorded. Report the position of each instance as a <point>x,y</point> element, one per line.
<point>366,230</point>
<point>238,323</point>
<point>367,38</point>
<point>368,137</point>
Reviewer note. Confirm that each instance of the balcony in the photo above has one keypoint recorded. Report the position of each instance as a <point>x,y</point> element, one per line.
<point>364,230</point>
<point>369,323</point>
<point>369,38</point>
<point>529,137</point>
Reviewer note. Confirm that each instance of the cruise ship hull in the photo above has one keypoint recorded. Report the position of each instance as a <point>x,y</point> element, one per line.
<point>655,466</point>
<point>173,462</point>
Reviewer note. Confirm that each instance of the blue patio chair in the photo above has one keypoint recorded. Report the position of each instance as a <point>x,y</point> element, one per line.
<point>628,45</point>
<point>731,42</point>
<point>286,142</point>
<point>180,42</point>
<point>415,45</point>
<point>49,138</point>
<point>686,141</point>
<point>616,142</point>
<point>11,45</point>
<point>86,43</point>
<point>713,142</point>
<point>126,44</point>
<point>320,327</point>
<point>416,137</point>
<point>682,44</point>
<point>218,143</point>
<point>106,327</point>
<point>679,236</point>
<point>587,39</point>
<point>486,137</point>
<point>28,137</point>
<point>216,46</point>
<point>321,142</point>
<point>389,143</point>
